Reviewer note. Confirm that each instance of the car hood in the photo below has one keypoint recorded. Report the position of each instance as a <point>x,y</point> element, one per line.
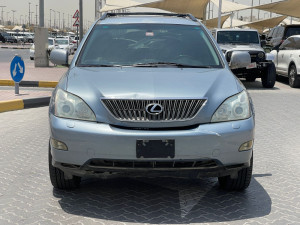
<point>253,47</point>
<point>93,84</point>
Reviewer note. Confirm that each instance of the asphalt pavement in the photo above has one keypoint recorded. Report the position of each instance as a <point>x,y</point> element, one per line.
<point>273,197</point>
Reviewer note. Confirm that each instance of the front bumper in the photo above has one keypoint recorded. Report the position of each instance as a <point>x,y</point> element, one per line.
<point>214,145</point>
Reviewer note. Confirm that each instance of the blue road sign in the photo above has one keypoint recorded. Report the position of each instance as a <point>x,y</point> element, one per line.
<point>17,69</point>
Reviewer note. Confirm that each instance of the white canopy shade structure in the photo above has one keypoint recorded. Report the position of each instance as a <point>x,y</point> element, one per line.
<point>212,23</point>
<point>111,5</point>
<point>195,7</point>
<point>18,28</point>
<point>261,25</point>
<point>235,23</point>
<point>288,8</point>
<point>288,21</point>
<point>228,6</point>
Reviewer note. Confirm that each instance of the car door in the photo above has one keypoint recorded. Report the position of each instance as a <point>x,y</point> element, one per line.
<point>284,56</point>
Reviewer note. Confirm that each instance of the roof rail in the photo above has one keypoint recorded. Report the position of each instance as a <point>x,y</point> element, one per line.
<point>190,16</point>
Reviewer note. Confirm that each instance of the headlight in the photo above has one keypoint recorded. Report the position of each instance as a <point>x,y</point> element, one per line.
<point>70,106</point>
<point>261,55</point>
<point>236,107</point>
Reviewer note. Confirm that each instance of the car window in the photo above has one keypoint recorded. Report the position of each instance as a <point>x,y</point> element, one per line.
<point>50,41</point>
<point>131,44</point>
<point>291,43</point>
<point>237,37</point>
<point>62,42</point>
<point>292,31</point>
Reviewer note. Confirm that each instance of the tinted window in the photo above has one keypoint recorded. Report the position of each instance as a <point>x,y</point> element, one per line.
<point>292,31</point>
<point>50,42</point>
<point>292,43</point>
<point>237,37</point>
<point>130,44</point>
<point>62,42</point>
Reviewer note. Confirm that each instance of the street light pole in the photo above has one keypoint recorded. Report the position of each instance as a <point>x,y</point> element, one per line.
<point>13,16</point>
<point>59,20</point>
<point>7,17</point>
<point>251,17</point>
<point>220,14</point>
<point>81,20</point>
<point>50,19</point>
<point>29,16</point>
<point>36,6</point>
<point>2,6</point>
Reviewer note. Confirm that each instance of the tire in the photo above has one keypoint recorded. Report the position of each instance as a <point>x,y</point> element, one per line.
<point>250,78</point>
<point>241,182</point>
<point>294,80</point>
<point>57,177</point>
<point>269,76</point>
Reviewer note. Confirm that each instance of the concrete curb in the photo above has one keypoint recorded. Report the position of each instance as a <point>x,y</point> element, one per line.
<point>17,104</point>
<point>47,84</point>
<point>7,47</point>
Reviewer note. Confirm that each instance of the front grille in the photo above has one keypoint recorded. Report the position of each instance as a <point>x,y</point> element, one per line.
<point>135,110</point>
<point>127,164</point>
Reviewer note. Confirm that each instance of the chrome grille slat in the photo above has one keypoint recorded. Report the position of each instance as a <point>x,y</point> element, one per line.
<point>132,110</point>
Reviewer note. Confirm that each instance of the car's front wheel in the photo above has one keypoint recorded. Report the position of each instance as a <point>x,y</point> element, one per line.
<point>58,179</point>
<point>269,76</point>
<point>241,182</point>
<point>294,80</point>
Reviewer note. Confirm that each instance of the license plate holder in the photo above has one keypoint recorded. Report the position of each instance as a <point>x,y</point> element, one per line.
<point>155,148</point>
<point>251,65</point>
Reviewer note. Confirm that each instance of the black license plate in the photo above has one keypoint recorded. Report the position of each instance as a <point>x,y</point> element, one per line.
<point>155,148</point>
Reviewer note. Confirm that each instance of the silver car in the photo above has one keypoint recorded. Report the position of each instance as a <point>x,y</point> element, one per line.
<point>150,94</point>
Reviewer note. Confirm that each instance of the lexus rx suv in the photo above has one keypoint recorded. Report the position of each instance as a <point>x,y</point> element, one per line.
<point>150,94</point>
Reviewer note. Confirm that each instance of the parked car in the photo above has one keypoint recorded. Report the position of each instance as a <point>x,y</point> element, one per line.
<point>2,38</point>
<point>29,38</point>
<point>51,46</point>
<point>64,43</point>
<point>278,34</point>
<point>247,40</point>
<point>8,38</point>
<point>287,60</point>
<point>150,94</point>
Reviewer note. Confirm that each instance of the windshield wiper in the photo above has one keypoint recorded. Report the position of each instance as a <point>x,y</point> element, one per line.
<point>156,64</point>
<point>95,65</point>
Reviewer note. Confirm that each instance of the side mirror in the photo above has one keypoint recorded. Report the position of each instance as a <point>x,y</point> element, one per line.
<point>59,57</point>
<point>263,43</point>
<point>239,59</point>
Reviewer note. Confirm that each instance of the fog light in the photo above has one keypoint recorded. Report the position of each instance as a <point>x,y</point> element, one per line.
<point>58,145</point>
<point>246,146</point>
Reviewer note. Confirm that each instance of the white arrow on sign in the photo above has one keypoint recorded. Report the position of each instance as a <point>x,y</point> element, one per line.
<point>20,68</point>
<point>15,70</point>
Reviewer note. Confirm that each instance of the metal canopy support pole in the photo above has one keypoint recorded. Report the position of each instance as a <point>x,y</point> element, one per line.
<point>41,14</point>
<point>220,14</point>
<point>81,20</point>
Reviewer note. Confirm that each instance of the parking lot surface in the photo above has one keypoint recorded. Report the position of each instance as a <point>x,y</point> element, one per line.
<point>27,197</point>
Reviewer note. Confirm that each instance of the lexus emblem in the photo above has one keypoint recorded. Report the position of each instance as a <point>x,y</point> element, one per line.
<point>154,109</point>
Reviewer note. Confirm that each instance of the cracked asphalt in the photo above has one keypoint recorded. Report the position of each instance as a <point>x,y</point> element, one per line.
<point>273,197</point>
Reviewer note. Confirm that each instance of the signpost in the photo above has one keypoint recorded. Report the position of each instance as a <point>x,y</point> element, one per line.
<point>17,71</point>
<point>76,23</point>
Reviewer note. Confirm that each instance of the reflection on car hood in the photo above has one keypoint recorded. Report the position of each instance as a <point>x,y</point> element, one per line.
<point>252,47</point>
<point>150,82</point>
<point>92,84</point>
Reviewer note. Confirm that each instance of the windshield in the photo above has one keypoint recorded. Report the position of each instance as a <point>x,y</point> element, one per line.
<point>148,45</point>
<point>62,42</point>
<point>237,37</point>
<point>50,42</point>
